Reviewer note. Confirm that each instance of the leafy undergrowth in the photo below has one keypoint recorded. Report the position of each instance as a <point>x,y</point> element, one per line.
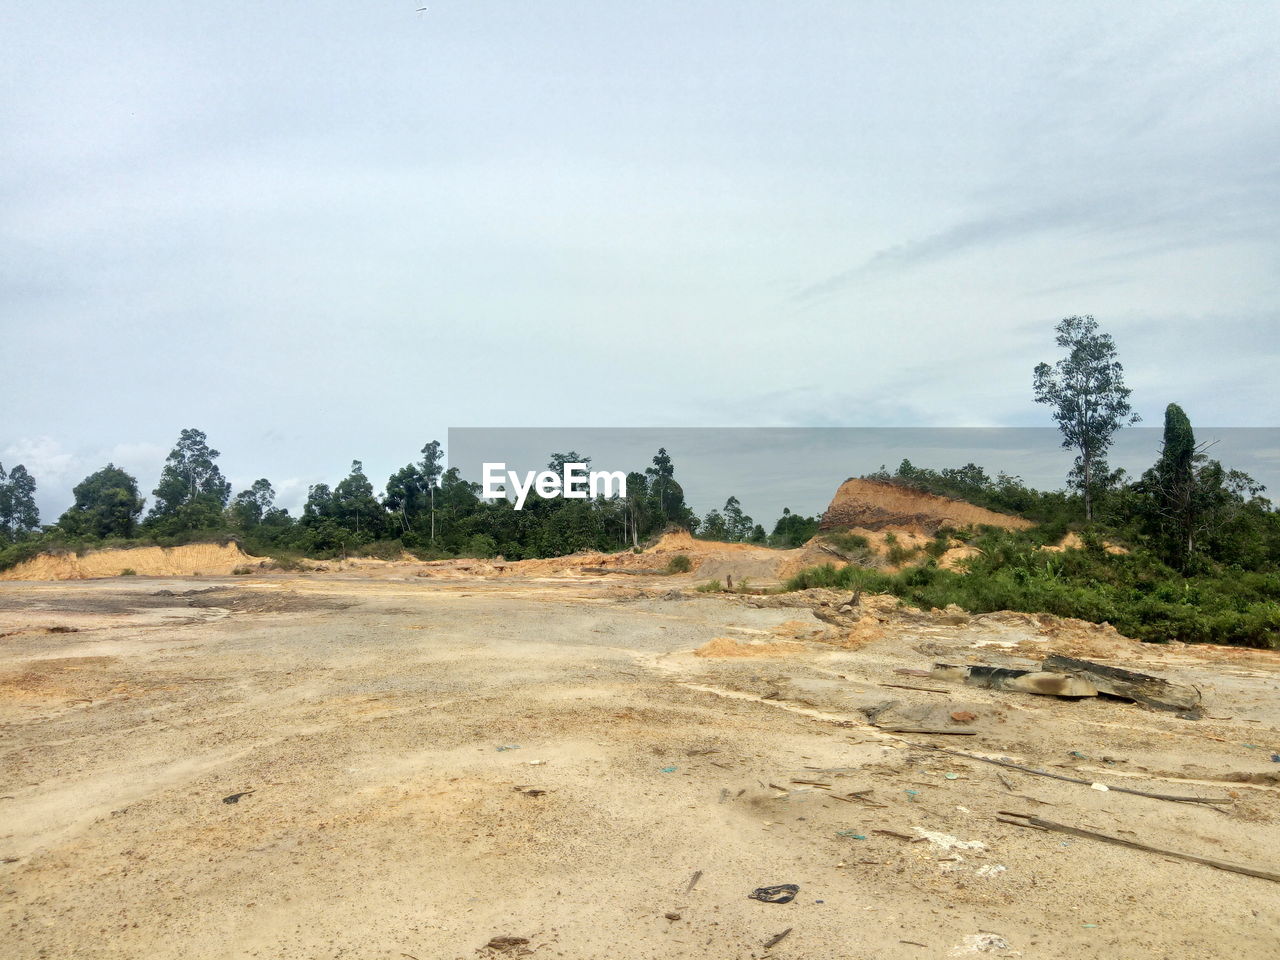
<point>1134,592</point>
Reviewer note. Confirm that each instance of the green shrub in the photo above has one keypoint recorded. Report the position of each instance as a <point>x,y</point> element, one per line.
<point>680,563</point>
<point>848,542</point>
<point>1135,592</point>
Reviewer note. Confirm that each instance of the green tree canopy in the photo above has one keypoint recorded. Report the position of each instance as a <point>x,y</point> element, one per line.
<point>250,507</point>
<point>107,504</point>
<point>192,492</point>
<point>1086,392</point>
<point>19,517</point>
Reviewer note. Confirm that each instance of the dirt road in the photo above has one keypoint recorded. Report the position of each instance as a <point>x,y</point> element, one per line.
<point>424,766</point>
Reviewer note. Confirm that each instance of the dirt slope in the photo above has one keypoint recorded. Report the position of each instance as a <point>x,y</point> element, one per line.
<point>875,505</point>
<point>210,559</point>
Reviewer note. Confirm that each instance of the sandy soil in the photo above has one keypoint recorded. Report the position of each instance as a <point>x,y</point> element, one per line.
<point>428,764</point>
<point>875,504</point>
<point>193,559</point>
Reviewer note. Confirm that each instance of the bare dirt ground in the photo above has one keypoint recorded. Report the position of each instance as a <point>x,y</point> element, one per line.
<point>425,765</point>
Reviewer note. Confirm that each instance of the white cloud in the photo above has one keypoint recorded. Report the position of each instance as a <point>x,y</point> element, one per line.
<point>44,458</point>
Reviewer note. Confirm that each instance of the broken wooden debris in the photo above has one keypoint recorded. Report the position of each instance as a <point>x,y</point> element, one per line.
<point>1020,681</point>
<point>1139,687</point>
<point>1088,783</point>
<point>1037,823</point>
<point>776,939</point>
<point>906,686</point>
<point>516,945</point>
<point>1061,676</point>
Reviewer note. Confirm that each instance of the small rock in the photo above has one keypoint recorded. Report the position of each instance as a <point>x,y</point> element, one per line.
<point>963,716</point>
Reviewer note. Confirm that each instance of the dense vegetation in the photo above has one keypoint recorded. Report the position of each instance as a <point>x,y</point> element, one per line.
<point>1201,546</point>
<point>426,509</point>
<point>1134,592</point>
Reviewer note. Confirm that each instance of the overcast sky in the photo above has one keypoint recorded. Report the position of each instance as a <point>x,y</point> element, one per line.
<point>323,231</point>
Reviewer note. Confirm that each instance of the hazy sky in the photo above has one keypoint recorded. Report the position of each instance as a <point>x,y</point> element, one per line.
<point>323,231</point>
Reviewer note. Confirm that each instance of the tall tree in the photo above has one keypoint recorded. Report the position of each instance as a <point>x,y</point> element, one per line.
<point>356,508</point>
<point>192,491</point>
<point>1172,481</point>
<point>737,524</point>
<point>714,526</point>
<point>1087,394</point>
<point>107,504</point>
<point>250,507</point>
<point>666,496</point>
<point>19,517</point>
<point>431,469</point>
<point>1189,498</point>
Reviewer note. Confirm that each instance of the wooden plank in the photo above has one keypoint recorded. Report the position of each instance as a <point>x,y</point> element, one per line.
<point>1058,776</point>
<point>1041,824</point>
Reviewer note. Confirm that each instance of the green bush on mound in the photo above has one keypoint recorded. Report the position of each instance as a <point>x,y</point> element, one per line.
<point>1134,592</point>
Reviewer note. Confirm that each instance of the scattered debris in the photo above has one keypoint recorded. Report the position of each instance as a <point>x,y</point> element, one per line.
<point>1089,783</point>
<point>673,916</point>
<point>1061,676</point>
<point>963,716</point>
<point>1020,681</point>
<point>668,769</point>
<point>693,882</point>
<point>235,797</point>
<point>1026,820</point>
<point>980,943</point>
<point>991,870</point>
<point>1138,687</point>
<point>515,946</point>
<point>782,893</point>
<point>897,717</point>
<point>904,686</point>
<point>510,746</point>
<point>530,791</point>
<point>945,841</point>
<point>777,938</point>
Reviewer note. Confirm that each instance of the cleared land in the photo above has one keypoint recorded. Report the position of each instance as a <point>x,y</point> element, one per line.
<point>428,763</point>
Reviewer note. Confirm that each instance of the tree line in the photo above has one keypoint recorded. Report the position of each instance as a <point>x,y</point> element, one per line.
<point>1188,510</point>
<point>425,508</point>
